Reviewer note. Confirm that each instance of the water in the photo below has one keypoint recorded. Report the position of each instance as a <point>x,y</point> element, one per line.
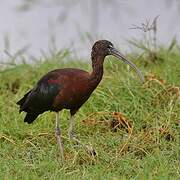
<point>46,25</point>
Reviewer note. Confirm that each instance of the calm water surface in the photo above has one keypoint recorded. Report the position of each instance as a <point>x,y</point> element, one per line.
<point>69,25</point>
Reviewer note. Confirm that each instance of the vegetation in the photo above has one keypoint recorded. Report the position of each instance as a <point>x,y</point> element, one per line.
<point>133,127</point>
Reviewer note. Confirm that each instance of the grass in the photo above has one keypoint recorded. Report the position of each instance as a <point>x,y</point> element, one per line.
<point>139,141</point>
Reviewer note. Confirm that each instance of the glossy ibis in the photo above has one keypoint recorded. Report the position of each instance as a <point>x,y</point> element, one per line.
<point>69,89</point>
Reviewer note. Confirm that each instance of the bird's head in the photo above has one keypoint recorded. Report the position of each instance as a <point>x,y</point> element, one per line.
<point>103,48</point>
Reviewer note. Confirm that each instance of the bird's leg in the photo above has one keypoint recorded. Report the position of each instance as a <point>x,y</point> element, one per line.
<point>71,132</point>
<point>71,126</point>
<point>58,136</point>
<point>73,137</point>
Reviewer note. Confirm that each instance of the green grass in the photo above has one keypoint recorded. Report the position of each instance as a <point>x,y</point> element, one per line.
<point>149,150</point>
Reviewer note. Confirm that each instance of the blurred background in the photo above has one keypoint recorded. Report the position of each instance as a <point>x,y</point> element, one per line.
<point>32,27</point>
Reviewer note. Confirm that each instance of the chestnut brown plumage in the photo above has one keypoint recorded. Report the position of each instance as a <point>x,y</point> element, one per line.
<point>68,89</point>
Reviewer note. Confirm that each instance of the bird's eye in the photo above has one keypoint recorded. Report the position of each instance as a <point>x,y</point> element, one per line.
<point>110,46</point>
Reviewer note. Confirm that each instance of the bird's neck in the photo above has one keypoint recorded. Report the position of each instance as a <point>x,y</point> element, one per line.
<point>97,72</point>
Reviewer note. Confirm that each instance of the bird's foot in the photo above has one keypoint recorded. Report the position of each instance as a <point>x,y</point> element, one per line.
<point>91,150</point>
<point>88,148</point>
<point>72,135</point>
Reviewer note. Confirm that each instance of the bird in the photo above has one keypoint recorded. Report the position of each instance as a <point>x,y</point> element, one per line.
<point>69,88</point>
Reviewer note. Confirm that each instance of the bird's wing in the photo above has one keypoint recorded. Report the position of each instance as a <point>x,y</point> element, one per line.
<point>41,97</point>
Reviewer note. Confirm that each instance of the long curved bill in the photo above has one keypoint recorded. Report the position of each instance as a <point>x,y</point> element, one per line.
<point>120,56</point>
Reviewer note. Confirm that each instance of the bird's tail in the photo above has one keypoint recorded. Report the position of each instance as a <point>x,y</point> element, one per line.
<point>30,117</point>
<point>22,101</point>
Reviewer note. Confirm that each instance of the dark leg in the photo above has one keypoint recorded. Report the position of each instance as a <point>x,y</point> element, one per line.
<point>58,136</point>
<point>73,138</point>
